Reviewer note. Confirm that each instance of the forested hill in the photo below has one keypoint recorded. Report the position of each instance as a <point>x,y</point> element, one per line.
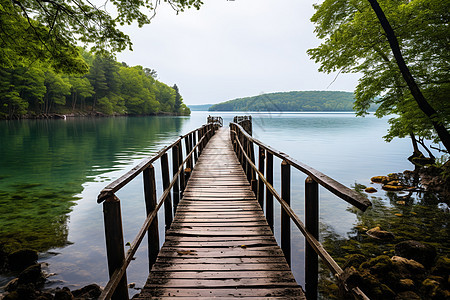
<point>107,87</point>
<point>291,101</point>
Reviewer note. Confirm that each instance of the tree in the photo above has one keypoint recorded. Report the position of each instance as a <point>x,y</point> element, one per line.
<point>355,41</point>
<point>178,99</point>
<point>50,29</point>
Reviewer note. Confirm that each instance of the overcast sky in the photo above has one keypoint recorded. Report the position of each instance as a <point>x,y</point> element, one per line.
<point>233,49</point>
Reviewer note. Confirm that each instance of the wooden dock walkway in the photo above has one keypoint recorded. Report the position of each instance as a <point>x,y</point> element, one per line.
<point>219,243</point>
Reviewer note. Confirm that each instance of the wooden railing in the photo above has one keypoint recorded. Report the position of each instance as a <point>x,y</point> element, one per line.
<point>182,165</point>
<point>215,120</point>
<point>261,178</point>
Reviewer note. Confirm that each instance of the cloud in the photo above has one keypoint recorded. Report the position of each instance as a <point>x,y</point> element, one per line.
<point>231,49</point>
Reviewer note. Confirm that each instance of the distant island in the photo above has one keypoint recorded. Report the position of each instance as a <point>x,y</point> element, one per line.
<point>291,101</point>
<point>200,107</point>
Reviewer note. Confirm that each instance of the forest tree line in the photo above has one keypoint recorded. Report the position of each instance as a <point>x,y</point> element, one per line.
<point>108,87</point>
<point>291,101</point>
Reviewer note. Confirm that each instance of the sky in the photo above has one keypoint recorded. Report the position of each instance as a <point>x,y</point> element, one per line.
<point>233,49</point>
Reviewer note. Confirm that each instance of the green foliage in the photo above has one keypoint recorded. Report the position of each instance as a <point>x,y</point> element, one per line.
<point>109,88</point>
<point>290,101</point>
<point>49,30</point>
<point>354,42</point>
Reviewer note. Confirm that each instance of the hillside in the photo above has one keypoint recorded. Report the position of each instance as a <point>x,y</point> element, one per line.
<point>199,107</point>
<point>291,101</point>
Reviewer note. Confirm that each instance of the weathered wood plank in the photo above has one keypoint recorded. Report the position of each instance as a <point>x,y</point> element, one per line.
<point>219,243</point>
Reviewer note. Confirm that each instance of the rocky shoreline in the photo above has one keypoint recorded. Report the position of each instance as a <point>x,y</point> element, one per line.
<point>30,280</point>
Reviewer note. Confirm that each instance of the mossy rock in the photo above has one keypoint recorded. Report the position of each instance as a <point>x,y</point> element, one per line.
<point>420,252</point>
<point>354,260</point>
<point>380,179</point>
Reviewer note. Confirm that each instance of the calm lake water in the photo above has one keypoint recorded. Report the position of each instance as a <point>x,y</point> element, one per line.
<point>51,172</point>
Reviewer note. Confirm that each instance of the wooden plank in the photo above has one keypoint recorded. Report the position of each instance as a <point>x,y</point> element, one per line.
<point>219,243</point>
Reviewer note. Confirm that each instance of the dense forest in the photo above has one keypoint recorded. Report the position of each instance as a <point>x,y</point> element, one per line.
<point>291,101</point>
<point>107,88</point>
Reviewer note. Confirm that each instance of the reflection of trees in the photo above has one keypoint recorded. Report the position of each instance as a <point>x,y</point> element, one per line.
<point>419,220</point>
<point>45,162</point>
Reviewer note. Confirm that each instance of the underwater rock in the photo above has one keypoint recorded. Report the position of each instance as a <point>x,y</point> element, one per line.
<point>21,259</point>
<point>379,234</point>
<point>370,190</point>
<point>422,253</point>
<point>379,179</point>
<point>12,285</point>
<point>91,291</point>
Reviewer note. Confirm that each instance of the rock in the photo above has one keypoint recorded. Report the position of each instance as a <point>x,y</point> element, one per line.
<point>63,294</point>
<point>442,268</point>
<point>408,295</point>
<point>380,179</point>
<point>431,289</point>
<point>379,234</point>
<point>27,291</point>
<point>354,260</point>
<point>422,253</point>
<point>91,291</point>
<point>21,259</point>
<point>370,190</point>
<point>12,285</point>
<point>393,188</point>
<point>351,277</point>
<point>408,268</point>
<point>33,275</point>
<point>406,284</point>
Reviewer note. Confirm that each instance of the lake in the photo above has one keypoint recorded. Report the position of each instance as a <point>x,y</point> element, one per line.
<point>51,172</point>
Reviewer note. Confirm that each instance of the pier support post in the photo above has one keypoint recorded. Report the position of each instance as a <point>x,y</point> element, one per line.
<point>312,225</point>
<point>260,195</point>
<point>176,186</point>
<point>180,161</point>
<point>150,205</point>
<point>285,220</point>
<point>269,196</point>
<point>166,183</point>
<point>115,251</point>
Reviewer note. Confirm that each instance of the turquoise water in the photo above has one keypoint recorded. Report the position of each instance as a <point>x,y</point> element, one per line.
<point>51,172</point>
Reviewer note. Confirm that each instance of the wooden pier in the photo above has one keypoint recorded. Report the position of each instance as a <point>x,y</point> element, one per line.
<point>219,243</point>
<point>218,200</point>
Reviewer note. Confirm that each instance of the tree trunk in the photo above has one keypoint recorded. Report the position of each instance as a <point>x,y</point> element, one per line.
<point>423,104</point>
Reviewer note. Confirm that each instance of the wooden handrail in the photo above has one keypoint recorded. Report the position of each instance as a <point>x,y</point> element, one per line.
<point>345,193</point>
<point>118,274</point>
<point>123,180</point>
<point>329,183</point>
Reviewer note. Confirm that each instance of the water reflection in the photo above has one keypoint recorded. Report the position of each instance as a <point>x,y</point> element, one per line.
<point>44,164</point>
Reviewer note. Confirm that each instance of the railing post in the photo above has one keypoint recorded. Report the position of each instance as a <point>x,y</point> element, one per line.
<point>312,225</point>
<point>114,243</point>
<point>269,196</point>
<point>285,220</point>
<point>194,142</point>
<point>191,146</point>
<point>261,158</point>
<point>150,205</point>
<point>180,161</point>
<point>188,149</point>
<point>166,183</point>
<point>176,186</point>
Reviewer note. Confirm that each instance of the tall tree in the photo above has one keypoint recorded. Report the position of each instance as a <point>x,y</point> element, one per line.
<point>355,41</point>
<point>43,29</point>
<point>178,99</point>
